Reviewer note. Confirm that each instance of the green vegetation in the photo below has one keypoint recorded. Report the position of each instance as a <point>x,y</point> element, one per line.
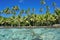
<point>30,19</point>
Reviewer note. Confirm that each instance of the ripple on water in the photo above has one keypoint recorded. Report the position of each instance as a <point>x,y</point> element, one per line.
<point>30,34</point>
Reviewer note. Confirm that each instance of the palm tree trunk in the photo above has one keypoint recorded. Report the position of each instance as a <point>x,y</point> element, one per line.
<point>11,25</point>
<point>19,24</point>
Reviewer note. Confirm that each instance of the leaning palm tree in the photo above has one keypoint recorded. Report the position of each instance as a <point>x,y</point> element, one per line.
<point>7,11</point>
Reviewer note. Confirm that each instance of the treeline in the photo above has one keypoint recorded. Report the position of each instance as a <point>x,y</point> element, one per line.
<point>30,19</point>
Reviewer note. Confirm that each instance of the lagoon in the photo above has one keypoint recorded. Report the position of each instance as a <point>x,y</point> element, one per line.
<point>30,34</point>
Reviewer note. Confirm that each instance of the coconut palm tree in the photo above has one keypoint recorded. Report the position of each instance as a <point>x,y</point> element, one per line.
<point>47,9</point>
<point>28,15</point>
<point>54,5</point>
<point>1,20</point>
<point>57,12</point>
<point>42,2</point>
<point>33,10</point>
<point>52,19</point>
<point>27,11</point>
<point>14,10</point>
<point>13,21</point>
<point>42,20</point>
<point>41,10</point>
<point>0,13</point>
<point>20,18</point>
<point>21,12</point>
<point>33,19</point>
<point>7,11</point>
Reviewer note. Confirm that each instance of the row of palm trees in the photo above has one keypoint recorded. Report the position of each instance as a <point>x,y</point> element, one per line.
<point>30,19</point>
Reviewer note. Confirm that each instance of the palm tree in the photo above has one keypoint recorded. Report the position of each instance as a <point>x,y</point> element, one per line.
<point>21,12</point>
<point>13,18</point>
<point>47,9</point>
<point>0,13</point>
<point>42,20</point>
<point>1,20</point>
<point>47,16</point>
<point>54,5</point>
<point>20,16</point>
<point>14,9</point>
<point>18,20</point>
<point>42,2</point>
<point>33,19</point>
<point>7,11</point>
<point>27,11</point>
<point>51,19</point>
<point>28,14</point>
<point>41,10</point>
<point>33,10</point>
<point>57,12</point>
<point>13,21</point>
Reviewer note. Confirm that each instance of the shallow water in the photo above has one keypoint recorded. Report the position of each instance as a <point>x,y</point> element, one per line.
<point>30,34</point>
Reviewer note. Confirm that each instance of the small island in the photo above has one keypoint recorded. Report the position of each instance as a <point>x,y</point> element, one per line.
<point>29,19</point>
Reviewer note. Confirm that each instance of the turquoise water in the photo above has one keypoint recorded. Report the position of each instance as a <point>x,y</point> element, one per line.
<point>30,34</point>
